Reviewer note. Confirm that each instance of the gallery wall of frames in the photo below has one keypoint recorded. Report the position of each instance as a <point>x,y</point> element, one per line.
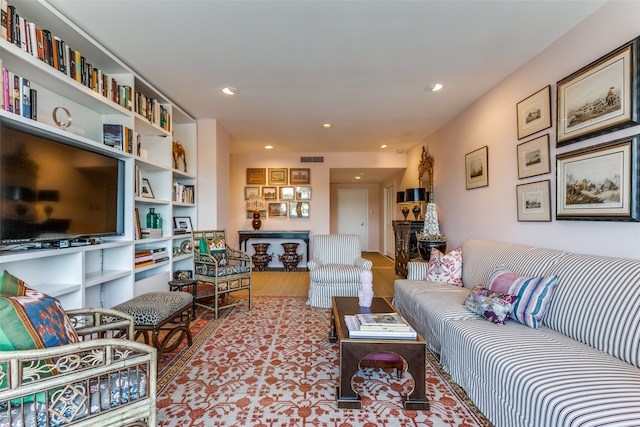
<point>286,191</point>
<point>597,182</point>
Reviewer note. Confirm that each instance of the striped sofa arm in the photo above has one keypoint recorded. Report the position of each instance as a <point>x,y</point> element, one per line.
<point>417,270</point>
<point>367,264</point>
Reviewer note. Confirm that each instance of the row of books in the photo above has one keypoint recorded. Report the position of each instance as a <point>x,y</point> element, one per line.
<point>380,326</point>
<point>183,193</point>
<point>17,95</point>
<point>118,136</point>
<point>147,257</point>
<point>54,51</point>
<point>151,233</point>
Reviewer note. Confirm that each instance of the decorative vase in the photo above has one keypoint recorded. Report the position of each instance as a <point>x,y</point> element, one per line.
<point>157,221</point>
<point>257,222</point>
<point>261,258</point>
<point>405,212</point>
<point>416,212</point>
<point>151,218</point>
<point>290,258</point>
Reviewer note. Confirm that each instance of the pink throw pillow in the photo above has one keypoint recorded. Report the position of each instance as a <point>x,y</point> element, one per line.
<point>445,268</point>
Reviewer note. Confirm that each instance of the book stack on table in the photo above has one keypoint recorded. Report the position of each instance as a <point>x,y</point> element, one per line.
<point>380,326</point>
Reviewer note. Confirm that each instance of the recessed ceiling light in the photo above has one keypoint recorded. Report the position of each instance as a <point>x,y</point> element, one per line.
<point>357,177</point>
<point>268,147</point>
<point>230,90</point>
<point>434,87</point>
<point>327,125</point>
<point>383,146</point>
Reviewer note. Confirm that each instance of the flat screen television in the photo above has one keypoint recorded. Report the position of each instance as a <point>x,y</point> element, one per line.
<point>52,190</point>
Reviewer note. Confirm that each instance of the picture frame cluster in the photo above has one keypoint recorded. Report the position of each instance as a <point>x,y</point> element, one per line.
<point>286,191</point>
<point>597,182</point>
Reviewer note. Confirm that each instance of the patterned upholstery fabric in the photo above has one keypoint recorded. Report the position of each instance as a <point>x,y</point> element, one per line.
<point>445,268</point>
<point>117,390</point>
<point>493,306</point>
<point>152,308</point>
<point>335,268</point>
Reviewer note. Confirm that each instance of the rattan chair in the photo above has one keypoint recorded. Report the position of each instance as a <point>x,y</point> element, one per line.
<point>219,271</point>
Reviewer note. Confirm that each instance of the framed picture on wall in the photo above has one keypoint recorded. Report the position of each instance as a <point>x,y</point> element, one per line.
<point>251,191</point>
<point>287,193</point>
<point>303,192</point>
<point>534,113</point>
<point>533,157</point>
<point>477,168</point>
<point>277,210</point>
<point>277,176</point>
<point>599,98</point>
<point>534,201</point>
<point>256,176</point>
<point>299,176</point>
<point>599,182</point>
<point>298,210</point>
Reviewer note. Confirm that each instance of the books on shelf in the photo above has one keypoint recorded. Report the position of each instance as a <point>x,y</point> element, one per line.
<point>183,193</point>
<point>151,233</point>
<point>355,331</point>
<point>382,322</point>
<point>118,136</point>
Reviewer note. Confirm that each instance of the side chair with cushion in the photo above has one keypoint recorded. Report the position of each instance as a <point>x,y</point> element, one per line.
<point>335,268</point>
<point>219,271</point>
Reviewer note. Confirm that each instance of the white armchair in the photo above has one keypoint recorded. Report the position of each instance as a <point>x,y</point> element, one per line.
<point>335,268</point>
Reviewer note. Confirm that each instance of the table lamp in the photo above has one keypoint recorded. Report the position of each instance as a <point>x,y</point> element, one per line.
<point>256,204</point>
<point>416,195</point>
<point>401,200</point>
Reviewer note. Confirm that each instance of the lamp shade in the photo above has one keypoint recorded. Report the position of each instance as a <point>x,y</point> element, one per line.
<point>401,197</point>
<point>48,196</point>
<point>255,203</point>
<point>415,194</point>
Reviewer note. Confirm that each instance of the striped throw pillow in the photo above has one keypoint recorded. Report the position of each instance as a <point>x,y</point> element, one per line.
<point>534,294</point>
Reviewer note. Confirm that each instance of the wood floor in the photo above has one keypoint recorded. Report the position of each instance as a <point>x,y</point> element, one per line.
<point>296,283</point>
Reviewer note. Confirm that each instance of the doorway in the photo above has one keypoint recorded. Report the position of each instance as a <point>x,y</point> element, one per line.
<point>389,215</point>
<point>353,208</point>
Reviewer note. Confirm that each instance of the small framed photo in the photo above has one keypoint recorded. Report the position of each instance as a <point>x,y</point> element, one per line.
<point>533,157</point>
<point>270,193</point>
<point>183,222</point>
<point>251,191</point>
<point>303,192</point>
<point>534,113</point>
<point>146,190</point>
<point>287,193</point>
<point>299,176</point>
<point>599,98</point>
<point>477,168</point>
<point>278,176</point>
<point>534,201</point>
<point>298,210</point>
<point>277,210</point>
<point>599,182</point>
<point>256,176</point>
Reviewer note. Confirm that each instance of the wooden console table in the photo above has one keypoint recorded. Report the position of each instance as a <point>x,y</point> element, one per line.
<point>243,236</point>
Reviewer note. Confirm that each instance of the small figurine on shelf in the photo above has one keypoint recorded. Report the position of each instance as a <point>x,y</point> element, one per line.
<point>365,295</point>
<point>178,154</point>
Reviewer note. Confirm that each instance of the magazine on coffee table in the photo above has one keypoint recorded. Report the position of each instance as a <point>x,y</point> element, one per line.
<point>356,331</point>
<point>382,322</point>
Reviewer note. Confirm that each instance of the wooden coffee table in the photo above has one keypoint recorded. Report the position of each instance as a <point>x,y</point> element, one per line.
<point>352,350</point>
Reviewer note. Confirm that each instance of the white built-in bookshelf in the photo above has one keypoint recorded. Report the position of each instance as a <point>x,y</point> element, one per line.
<point>105,274</point>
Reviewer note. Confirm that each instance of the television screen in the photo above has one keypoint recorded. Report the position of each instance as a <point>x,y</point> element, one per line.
<point>50,190</point>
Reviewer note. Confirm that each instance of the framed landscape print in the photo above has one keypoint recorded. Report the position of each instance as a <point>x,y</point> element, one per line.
<point>270,193</point>
<point>599,182</point>
<point>277,176</point>
<point>299,176</point>
<point>477,168</point>
<point>251,191</point>
<point>534,201</point>
<point>256,176</point>
<point>303,192</point>
<point>601,97</point>
<point>534,113</point>
<point>533,157</point>
<point>287,193</point>
<point>298,210</point>
<point>277,210</point>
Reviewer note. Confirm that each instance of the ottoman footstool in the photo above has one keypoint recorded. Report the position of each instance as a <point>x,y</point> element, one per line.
<point>156,311</point>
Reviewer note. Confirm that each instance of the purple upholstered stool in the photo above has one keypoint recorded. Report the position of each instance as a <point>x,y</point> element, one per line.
<point>383,360</point>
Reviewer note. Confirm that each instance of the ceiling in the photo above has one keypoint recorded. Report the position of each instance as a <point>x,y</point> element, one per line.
<point>360,65</point>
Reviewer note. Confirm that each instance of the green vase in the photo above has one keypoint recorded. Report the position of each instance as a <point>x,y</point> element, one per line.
<point>151,218</point>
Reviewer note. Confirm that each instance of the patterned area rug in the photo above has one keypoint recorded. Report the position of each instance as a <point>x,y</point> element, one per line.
<point>274,366</point>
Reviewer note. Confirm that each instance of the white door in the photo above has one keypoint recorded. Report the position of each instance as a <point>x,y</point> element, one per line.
<point>352,214</point>
<point>389,214</point>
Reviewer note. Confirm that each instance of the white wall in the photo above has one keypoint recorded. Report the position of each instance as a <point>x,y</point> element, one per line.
<point>490,212</point>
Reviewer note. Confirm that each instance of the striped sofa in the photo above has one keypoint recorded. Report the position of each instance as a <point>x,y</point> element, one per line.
<point>580,368</point>
<point>335,267</point>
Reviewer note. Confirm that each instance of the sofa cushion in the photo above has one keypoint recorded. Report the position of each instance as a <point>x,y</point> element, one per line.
<point>534,294</point>
<point>445,268</point>
<point>493,306</point>
<point>336,273</point>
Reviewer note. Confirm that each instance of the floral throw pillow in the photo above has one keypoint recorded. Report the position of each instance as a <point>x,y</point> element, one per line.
<point>534,294</point>
<point>445,268</point>
<point>493,306</point>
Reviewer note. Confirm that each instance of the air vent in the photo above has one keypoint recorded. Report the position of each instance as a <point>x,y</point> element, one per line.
<point>312,159</point>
